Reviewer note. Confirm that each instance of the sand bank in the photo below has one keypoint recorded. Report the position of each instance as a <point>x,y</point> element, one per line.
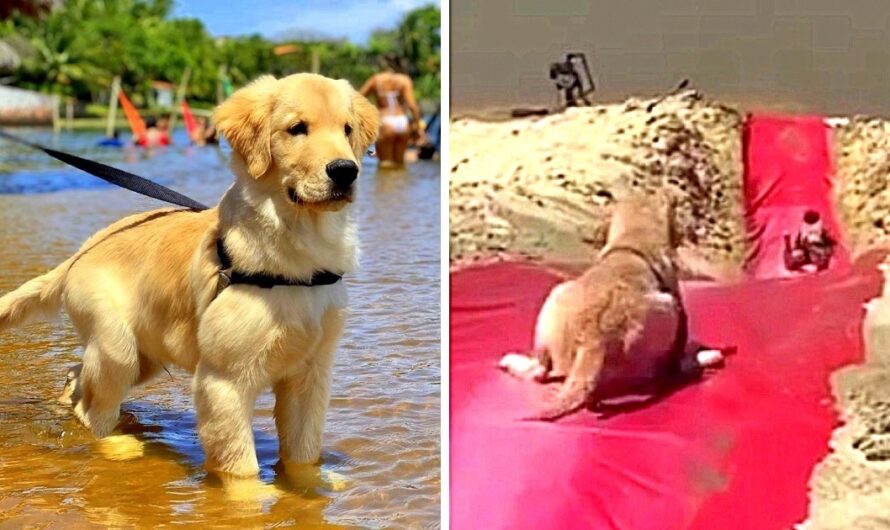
<point>862,158</point>
<point>540,187</point>
<point>849,488</point>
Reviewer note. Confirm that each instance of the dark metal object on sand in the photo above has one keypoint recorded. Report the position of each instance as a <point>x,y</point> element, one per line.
<point>573,79</point>
<point>683,85</point>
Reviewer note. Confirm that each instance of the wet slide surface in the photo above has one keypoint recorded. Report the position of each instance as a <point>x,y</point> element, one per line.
<point>788,170</point>
<point>733,451</point>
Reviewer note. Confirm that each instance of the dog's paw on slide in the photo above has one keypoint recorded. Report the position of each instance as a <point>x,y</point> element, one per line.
<point>710,358</point>
<point>522,366</point>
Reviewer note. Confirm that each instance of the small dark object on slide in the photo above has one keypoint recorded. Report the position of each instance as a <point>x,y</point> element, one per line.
<point>812,247</point>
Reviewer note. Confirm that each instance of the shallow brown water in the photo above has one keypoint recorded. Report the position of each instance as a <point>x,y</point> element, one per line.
<point>381,450</point>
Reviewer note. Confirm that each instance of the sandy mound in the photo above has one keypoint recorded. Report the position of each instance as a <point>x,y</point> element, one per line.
<point>540,187</point>
<point>848,489</point>
<point>862,156</point>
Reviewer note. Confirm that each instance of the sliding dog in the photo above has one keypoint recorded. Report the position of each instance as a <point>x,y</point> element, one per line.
<point>621,325</point>
<point>246,295</point>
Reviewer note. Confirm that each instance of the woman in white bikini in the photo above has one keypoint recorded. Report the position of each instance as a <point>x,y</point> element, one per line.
<point>393,91</point>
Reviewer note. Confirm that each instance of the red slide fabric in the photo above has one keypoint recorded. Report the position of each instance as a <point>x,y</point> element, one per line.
<point>788,170</point>
<point>733,451</point>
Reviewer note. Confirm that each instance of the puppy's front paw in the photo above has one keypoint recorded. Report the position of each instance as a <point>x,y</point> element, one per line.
<point>523,367</point>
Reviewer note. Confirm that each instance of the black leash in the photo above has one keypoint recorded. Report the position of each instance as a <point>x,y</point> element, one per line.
<point>113,175</point>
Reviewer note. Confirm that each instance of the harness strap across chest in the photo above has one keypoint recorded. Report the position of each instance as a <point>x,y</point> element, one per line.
<point>682,333</point>
<point>663,284</point>
<point>229,276</point>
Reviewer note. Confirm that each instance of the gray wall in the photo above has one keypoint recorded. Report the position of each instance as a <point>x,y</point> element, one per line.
<point>830,56</point>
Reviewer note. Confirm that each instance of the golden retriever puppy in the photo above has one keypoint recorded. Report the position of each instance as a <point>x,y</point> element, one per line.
<point>245,295</point>
<point>621,323</point>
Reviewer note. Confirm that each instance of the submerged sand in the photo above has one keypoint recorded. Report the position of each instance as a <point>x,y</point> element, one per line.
<point>540,189</point>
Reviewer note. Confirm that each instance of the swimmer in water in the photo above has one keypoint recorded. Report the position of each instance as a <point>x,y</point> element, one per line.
<point>393,91</point>
<point>155,133</point>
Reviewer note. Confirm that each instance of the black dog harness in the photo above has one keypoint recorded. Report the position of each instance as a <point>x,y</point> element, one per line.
<point>663,284</point>
<point>229,276</point>
<point>679,365</point>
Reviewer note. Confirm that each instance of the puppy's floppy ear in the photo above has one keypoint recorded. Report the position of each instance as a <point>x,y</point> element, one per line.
<point>244,119</point>
<point>367,119</point>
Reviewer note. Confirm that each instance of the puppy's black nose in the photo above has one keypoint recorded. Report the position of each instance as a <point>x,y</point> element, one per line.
<point>342,172</point>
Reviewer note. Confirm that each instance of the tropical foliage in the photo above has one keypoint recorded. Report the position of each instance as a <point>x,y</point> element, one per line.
<point>76,48</point>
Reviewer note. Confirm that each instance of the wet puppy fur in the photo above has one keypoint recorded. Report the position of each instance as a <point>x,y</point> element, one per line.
<point>144,293</point>
<point>586,321</point>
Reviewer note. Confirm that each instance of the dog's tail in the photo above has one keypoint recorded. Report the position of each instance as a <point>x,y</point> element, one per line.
<point>577,390</point>
<point>36,300</point>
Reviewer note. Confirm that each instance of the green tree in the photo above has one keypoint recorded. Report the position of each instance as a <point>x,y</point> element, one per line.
<point>76,49</point>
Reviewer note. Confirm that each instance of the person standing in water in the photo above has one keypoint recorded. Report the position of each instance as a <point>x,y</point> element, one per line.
<point>156,134</point>
<point>393,91</point>
<point>204,133</point>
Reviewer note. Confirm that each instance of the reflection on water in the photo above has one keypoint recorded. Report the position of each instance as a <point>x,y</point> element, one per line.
<point>381,450</point>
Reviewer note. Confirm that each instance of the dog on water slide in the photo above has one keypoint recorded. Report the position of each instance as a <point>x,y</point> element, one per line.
<point>184,288</point>
<point>621,325</point>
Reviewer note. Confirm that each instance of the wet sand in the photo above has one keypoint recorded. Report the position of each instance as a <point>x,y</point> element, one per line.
<point>538,189</point>
<point>380,455</point>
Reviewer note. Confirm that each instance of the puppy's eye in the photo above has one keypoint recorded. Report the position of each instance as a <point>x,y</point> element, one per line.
<point>348,129</point>
<point>298,129</point>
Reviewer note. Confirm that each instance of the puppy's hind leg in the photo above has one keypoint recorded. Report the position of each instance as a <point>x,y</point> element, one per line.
<point>580,384</point>
<point>110,368</point>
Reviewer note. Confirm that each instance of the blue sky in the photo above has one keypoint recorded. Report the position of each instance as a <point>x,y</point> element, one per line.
<point>352,19</point>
